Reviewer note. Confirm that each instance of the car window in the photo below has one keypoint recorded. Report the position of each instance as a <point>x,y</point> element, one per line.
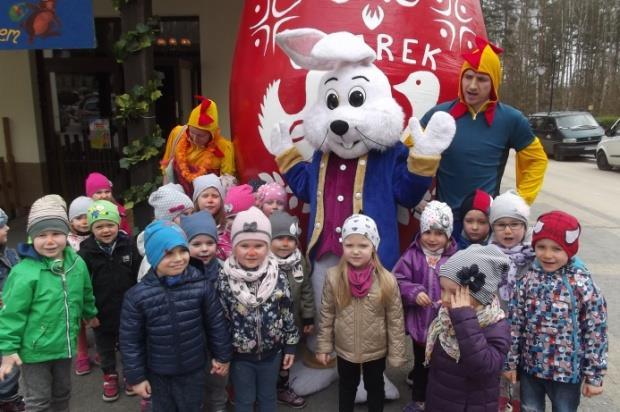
<point>577,120</point>
<point>549,124</point>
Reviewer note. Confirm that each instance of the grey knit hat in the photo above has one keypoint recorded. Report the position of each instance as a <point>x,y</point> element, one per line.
<point>509,204</point>
<point>202,183</point>
<point>79,206</point>
<point>169,201</point>
<point>3,218</point>
<point>479,267</point>
<point>47,213</point>
<point>283,224</point>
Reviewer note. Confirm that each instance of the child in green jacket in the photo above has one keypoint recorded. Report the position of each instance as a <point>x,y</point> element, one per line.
<point>45,297</point>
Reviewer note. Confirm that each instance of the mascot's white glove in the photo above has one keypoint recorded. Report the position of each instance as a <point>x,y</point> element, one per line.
<point>437,136</point>
<point>280,139</point>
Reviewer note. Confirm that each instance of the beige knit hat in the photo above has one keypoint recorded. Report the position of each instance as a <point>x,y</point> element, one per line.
<point>48,213</point>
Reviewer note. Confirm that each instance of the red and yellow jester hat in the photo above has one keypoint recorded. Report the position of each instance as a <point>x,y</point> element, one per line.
<point>204,116</point>
<point>485,59</point>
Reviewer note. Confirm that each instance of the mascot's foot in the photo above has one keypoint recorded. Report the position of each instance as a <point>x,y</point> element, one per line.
<point>306,381</point>
<point>391,391</point>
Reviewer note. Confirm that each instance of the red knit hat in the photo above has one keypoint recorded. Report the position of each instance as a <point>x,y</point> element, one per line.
<point>562,228</point>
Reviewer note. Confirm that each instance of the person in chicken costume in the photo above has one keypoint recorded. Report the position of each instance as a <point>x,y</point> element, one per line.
<point>197,148</point>
<point>486,130</point>
<point>359,164</point>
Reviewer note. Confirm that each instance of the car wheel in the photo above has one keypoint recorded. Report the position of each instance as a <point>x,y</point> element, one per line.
<point>557,155</point>
<point>601,161</point>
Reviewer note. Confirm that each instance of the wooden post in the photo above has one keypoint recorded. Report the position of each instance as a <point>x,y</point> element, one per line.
<point>13,202</point>
<point>138,69</point>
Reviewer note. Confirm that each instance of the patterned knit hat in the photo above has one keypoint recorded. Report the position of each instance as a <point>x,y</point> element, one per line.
<point>479,267</point>
<point>270,191</point>
<point>95,182</point>
<point>477,200</point>
<point>199,223</point>
<point>103,210</point>
<point>362,225</point>
<point>3,218</point>
<point>79,206</point>
<point>251,224</point>
<point>47,213</point>
<point>238,199</point>
<point>562,228</point>
<point>437,215</point>
<point>162,236</point>
<point>509,204</point>
<point>283,224</point>
<point>169,201</point>
<point>202,183</point>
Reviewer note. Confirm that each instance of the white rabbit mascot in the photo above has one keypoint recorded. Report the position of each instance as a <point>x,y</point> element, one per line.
<point>359,164</point>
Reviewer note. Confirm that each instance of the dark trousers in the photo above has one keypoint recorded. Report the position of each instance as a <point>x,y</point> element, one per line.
<point>564,396</point>
<point>349,379</point>
<point>47,385</point>
<point>106,342</point>
<point>420,374</point>
<point>178,393</point>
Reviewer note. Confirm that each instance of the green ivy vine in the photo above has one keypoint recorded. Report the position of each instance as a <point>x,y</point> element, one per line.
<point>139,193</point>
<point>141,150</point>
<point>133,41</point>
<point>136,103</point>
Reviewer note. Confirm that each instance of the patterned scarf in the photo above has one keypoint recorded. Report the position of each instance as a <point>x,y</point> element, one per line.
<point>292,263</point>
<point>360,280</point>
<point>520,255</point>
<point>238,279</point>
<point>432,257</point>
<point>442,328</point>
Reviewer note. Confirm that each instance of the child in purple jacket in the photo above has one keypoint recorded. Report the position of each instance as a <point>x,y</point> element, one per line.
<point>470,337</point>
<point>417,274</point>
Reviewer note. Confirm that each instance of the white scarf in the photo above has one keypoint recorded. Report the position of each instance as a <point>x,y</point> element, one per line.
<point>293,262</point>
<point>238,279</point>
<point>432,258</point>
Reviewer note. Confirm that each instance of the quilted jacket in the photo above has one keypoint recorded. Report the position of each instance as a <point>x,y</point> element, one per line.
<point>365,330</point>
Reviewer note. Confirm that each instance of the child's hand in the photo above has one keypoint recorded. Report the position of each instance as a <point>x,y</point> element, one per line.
<point>308,329</point>
<point>323,358</point>
<point>423,300</point>
<point>93,323</point>
<point>288,361</point>
<point>590,390</point>
<point>511,376</point>
<point>219,368</point>
<point>143,389</point>
<point>461,298</point>
<point>8,362</point>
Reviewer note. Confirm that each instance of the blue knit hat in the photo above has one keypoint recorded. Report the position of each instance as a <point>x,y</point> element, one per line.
<point>160,237</point>
<point>199,223</point>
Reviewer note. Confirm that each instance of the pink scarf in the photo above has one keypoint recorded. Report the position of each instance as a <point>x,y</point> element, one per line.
<point>360,280</point>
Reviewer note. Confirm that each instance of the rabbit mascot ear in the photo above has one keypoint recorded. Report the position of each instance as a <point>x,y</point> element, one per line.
<point>314,50</point>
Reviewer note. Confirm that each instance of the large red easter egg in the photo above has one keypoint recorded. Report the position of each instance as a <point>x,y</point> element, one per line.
<point>418,45</point>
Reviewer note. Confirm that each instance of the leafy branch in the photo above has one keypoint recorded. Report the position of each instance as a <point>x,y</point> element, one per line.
<point>140,150</point>
<point>139,193</point>
<point>133,41</point>
<point>136,103</point>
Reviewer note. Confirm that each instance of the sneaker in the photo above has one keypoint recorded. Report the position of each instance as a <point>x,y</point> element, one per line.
<point>129,389</point>
<point>414,407</point>
<point>14,405</point>
<point>290,398</point>
<point>409,378</point>
<point>82,366</point>
<point>110,387</point>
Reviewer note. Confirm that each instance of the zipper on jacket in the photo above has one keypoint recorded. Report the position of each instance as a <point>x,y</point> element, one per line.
<point>259,341</point>
<point>175,324</point>
<point>66,301</point>
<point>355,327</point>
<point>574,336</point>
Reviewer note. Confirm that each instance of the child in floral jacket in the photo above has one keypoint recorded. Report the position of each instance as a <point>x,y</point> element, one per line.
<point>558,322</point>
<point>256,297</point>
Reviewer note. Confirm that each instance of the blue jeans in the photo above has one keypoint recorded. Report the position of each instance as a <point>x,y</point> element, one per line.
<point>564,396</point>
<point>180,393</point>
<point>255,381</point>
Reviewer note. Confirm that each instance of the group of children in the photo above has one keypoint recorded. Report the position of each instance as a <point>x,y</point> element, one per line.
<point>211,300</point>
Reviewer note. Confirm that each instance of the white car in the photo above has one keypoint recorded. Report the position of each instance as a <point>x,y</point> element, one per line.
<point>608,149</point>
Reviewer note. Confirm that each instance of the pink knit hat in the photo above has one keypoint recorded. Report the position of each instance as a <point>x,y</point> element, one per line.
<point>238,199</point>
<point>270,191</point>
<point>251,224</point>
<point>95,182</point>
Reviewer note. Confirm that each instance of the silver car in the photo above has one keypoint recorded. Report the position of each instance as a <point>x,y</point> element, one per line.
<point>608,150</point>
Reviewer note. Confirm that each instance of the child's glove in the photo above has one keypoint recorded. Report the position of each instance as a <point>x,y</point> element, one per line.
<point>8,362</point>
<point>437,136</point>
<point>280,139</point>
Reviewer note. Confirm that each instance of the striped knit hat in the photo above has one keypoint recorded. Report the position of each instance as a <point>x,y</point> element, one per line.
<point>479,267</point>
<point>47,213</point>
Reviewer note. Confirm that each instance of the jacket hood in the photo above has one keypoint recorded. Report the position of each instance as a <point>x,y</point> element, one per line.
<point>26,250</point>
<point>485,59</point>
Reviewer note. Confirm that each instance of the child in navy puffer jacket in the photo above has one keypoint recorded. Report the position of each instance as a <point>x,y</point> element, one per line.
<point>168,320</point>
